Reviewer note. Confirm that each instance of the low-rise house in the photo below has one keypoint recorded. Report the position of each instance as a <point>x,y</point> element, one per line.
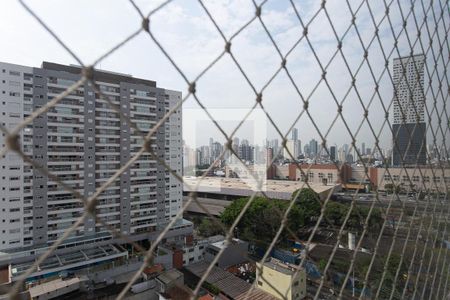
<point>283,281</point>
<point>234,253</point>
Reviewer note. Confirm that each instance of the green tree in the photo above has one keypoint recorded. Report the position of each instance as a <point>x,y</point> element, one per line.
<point>232,211</point>
<point>309,202</point>
<point>335,213</point>
<point>388,282</point>
<point>209,228</point>
<point>263,218</point>
<point>322,264</point>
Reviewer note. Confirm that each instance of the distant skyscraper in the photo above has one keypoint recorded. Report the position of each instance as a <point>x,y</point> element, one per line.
<point>269,156</point>
<point>345,148</point>
<point>293,147</point>
<point>409,128</point>
<point>294,134</point>
<point>205,156</point>
<point>341,155</point>
<point>275,147</point>
<point>333,153</point>
<point>306,150</point>
<point>246,151</point>
<point>349,158</point>
<point>216,150</point>
<point>363,149</point>
<point>313,148</point>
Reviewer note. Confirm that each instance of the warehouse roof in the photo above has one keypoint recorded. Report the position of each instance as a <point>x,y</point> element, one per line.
<point>279,189</point>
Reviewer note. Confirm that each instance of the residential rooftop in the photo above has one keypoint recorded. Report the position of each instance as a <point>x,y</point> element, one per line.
<point>281,267</point>
<point>170,276</point>
<point>221,244</point>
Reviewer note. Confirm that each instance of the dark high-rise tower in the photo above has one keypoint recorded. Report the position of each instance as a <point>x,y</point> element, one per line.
<point>333,153</point>
<point>409,128</point>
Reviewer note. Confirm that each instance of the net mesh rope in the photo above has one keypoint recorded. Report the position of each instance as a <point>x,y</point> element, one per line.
<point>415,240</point>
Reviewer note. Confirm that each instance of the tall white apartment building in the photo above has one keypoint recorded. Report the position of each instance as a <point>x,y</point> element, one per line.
<point>83,141</point>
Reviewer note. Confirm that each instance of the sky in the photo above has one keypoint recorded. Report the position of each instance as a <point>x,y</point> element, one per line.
<point>183,29</point>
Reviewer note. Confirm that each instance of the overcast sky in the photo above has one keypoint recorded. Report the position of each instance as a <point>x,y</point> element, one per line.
<point>90,28</point>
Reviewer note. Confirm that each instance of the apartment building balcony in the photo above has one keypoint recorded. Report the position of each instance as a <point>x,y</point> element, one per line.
<point>151,192</point>
<point>68,174</point>
<point>74,184</point>
<point>143,176</point>
<point>110,218</point>
<point>134,103</point>
<point>56,220</point>
<point>71,203</point>
<point>138,212</point>
<point>52,93</point>
<point>107,159</point>
<point>67,151</point>
<point>111,193</point>
<point>143,221</point>
<point>144,201</point>
<point>144,118</point>
<point>109,205</point>
<point>143,214</point>
<point>66,160</point>
<point>108,214</point>
<point>55,212</point>
<point>147,227</point>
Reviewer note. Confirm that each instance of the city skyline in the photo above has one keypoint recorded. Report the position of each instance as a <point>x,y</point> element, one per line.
<point>339,153</point>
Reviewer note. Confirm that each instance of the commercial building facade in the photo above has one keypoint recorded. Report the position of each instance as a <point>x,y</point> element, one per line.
<point>351,176</point>
<point>83,141</point>
<point>423,179</point>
